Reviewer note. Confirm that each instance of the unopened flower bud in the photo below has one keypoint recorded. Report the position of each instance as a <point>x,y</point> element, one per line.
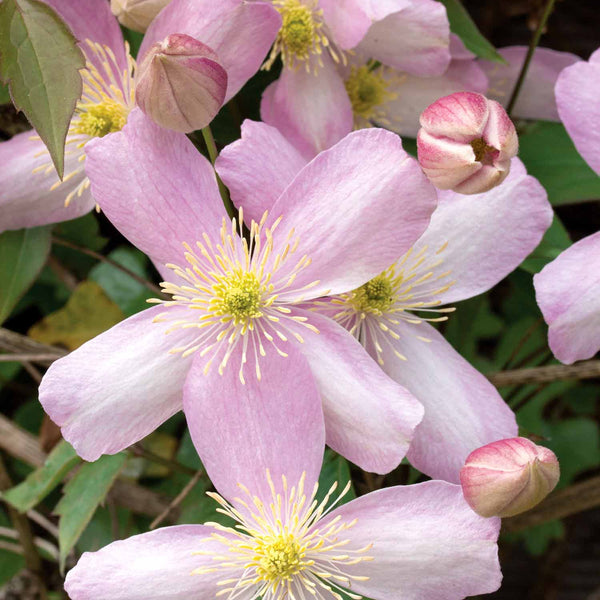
<point>466,143</point>
<point>137,14</point>
<point>180,83</point>
<point>508,477</point>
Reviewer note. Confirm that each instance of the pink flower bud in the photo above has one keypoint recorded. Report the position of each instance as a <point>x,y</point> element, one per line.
<point>508,477</point>
<point>137,14</point>
<point>180,83</point>
<point>466,143</point>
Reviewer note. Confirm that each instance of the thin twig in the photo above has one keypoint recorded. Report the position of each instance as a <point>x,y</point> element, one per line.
<point>19,343</point>
<point>582,370</point>
<point>535,40</point>
<point>177,500</point>
<point>43,359</point>
<point>139,450</point>
<point>43,522</point>
<point>69,280</point>
<point>558,505</point>
<point>530,331</point>
<point>41,543</point>
<point>59,241</point>
<point>33,372</point>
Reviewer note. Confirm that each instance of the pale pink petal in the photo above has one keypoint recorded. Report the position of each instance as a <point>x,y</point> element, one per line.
<point>349,20</point>
<point>26,199</point>
<point>118,387</point>
<point>242,429</point>
<point>92,20</point>
<point>489,234</point>
<point>463,410</point>
<point>427,544</point>
<point>241,33</point>
<point>577,92</point>
<point>155,187</point>
<point>415,40</point>
<point>312,111</point>
<point>415,94</point>
<point>369,419</point>
<point>568,293</point>
<point>151,566</point>
<point>536,98</point>
<point>353,207</point>
<point>258,167</point>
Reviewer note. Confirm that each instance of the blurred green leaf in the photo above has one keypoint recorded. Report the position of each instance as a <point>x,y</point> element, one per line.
<point>555,240</point>
<point>335,469</point>
<point>81,497</point>
<point>22,255</point>
<point>40,62</point>
<point>127,293</point>
<point>84,231</point>
<point>10,563</point>
<point>549,154</point>
<point>463,26</point>
<point>88,313</point>
<point>4,95</point>
<point>537,539</point>
<point>42,481</point>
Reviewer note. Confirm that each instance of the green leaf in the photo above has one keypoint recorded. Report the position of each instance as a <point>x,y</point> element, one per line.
<point>549,154</point>
<point>42,481</point>
<point>4,95</point>
<point>10,563</point>
<point>335,469</point>
<point>463,26</point>
<point>555,240</point>
<point>22,255</point>
<point>81,498</point>
<point>41,62</point>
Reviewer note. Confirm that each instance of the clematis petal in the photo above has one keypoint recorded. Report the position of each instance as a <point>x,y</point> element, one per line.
<point>568,293</point>
<point>258,167</point>
<point>536,98</point>
<point>92,20</point>
<point>241,430</point>
<point>577,90</point>
<point>427,543</point>
<point>349,20</point>
<point>463,410</point>
<point>353,208</point>
<point>514,215</point>
<point>415,40</point>
<point>152,181</point>
<point>118,387</point>
<point>150,566</point>
<point>369,419</point>
<point>312,111</point>
<point>240,33</point>
<point>26,199</point>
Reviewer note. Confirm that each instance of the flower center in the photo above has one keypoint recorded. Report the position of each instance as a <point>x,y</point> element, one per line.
<point>301,36</point>
<point>97,120</point>
<point>279,558</point>
<point>280,548</point>
<point>483,153</point>
<point>239,296</point>
<point>375,296</point>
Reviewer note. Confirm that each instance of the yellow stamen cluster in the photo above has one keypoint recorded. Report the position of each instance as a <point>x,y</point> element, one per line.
<point>301,39</point>
<point>279,549</point>
<point>372,311</point>
<point>232,288</point>
<point>368,89</point>
<point>107,98</point>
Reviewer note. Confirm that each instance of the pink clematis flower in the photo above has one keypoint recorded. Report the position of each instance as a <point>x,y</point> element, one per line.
<point>420,541</point>
<point>568,293</point>
<point>342,218</point>
<point>471,243</point>
<point>322,88</point>
<point>30,192</point>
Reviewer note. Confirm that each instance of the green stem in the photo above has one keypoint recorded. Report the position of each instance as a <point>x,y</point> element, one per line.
<point>209,140</point>
<point>535,40</point>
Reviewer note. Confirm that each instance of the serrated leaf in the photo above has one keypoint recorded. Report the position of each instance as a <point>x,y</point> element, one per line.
<point>81,498</point>
<point>549,154</point>
<point>43,480</point>
<point>555,240</point>
<point>88,313</point>
<point>22,255</point>
<point>40,61</point>
<point>463,26</point>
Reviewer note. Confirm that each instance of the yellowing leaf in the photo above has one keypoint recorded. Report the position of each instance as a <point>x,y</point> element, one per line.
<point>40,61</point>
<point>87,313</point>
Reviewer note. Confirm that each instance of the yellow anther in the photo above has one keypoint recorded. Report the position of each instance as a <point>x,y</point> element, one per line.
<point>97,120</point>
<point>368,91</point>
<point>376,296</point>
<point>279,557</point>
<point>238,296</point>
